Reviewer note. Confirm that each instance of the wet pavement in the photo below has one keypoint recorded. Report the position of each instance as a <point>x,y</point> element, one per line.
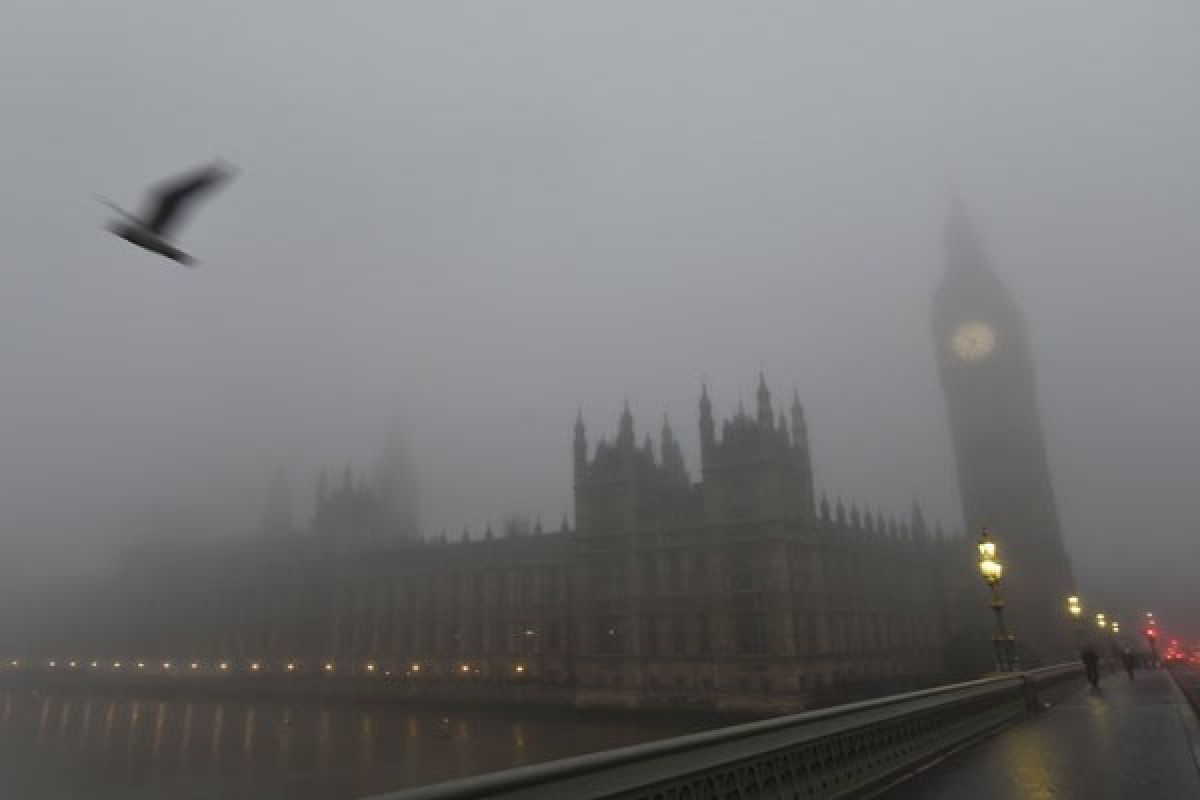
<point>1124,740</point>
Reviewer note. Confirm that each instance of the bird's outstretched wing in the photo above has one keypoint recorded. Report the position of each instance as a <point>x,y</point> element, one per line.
<point>167,202</point>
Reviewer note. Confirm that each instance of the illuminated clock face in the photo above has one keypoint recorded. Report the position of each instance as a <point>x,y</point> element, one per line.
<point>973,341</point>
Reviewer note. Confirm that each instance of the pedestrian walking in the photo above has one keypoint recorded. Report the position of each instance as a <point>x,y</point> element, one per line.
<point>1128,660</point>
<point>1091,665</point>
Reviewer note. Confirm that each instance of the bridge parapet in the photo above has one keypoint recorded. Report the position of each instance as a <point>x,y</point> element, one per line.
<point>828,753</point>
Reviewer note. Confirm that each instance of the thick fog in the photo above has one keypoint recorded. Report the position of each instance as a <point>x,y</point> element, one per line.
<point>468,221</point>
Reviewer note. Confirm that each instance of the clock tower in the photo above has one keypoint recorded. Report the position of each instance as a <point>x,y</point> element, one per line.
<point>987,377</point>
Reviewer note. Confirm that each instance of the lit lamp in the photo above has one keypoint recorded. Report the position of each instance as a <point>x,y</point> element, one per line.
<point>1152,637</point>
<point>992,570</point>
<point>1101,620</point>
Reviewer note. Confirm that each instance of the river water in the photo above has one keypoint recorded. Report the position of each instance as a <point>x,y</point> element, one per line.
<point>64,744</point>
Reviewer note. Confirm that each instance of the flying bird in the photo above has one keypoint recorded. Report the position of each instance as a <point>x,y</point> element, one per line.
<point>166,206</point>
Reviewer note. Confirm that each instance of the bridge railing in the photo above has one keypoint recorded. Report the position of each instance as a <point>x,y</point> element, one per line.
<point>828,753</point>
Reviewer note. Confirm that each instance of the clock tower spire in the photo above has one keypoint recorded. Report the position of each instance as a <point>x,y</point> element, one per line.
<point>987,376</point>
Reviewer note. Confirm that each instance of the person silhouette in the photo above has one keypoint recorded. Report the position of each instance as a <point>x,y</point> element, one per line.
<point>1091,663</point>
<point>1128,661</point>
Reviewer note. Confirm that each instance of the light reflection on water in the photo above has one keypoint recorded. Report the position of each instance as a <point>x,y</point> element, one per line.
<point>64,744</point>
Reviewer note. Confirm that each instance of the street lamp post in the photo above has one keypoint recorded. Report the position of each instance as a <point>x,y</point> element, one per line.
<point>1075,609</point>
<point>1152,638</point>
<point>992,571</point>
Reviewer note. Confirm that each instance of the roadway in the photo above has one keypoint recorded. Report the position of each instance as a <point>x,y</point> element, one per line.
<point>1136,739</point>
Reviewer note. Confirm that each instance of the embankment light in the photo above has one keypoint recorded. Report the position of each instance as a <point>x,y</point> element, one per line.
<point>256,666</point>
<point>116,665</point>
<point>166,665</point>
<point>72,665</point>
<point>329,666</point>
<point>141,665</point>
<point>520,668</point>
<point>194,665</point>
<point>465,668</point>
<point>414,668</point>
<point>53,664</point>
<point>291,667</point>
<point>224,665</point>
<point>370,667</point>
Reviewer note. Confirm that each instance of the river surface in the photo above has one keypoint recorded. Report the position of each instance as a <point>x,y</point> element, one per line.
<point>64,744</point>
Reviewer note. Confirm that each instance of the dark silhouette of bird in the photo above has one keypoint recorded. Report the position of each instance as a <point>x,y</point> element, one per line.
<point>166,207</point>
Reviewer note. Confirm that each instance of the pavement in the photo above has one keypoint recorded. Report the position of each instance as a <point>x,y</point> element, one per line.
<point>1136,739</point>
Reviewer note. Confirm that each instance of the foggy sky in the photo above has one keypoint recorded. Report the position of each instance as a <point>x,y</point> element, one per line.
<point>473,219</point>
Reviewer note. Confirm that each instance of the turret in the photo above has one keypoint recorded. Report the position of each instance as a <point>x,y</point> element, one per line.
<point>765,415</point>
<point>799,428</point>
<point>672,456</point>
<point>708,435</point>
<point>580,447</point>
<point>625,437</point>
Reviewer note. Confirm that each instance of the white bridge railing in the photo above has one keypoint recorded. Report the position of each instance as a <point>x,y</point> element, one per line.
<point>830,753</point>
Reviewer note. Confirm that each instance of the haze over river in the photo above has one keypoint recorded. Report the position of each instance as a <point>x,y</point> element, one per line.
<point>76,744</point>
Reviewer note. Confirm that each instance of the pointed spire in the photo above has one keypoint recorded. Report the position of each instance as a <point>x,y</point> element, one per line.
<point>783,427</point>
<point>672,456</point>
<point>708,434</point>
<point>964,246</point>
<point>765,414</point>
<point>580,446</point>
<point>824,507</point>
<point>625,437</point>
<point>799,428</point>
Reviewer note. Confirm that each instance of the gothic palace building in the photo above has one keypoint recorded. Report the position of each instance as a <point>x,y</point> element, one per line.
<point>739,591</point>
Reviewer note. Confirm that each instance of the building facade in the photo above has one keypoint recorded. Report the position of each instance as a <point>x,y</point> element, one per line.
<point>740,590</point>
